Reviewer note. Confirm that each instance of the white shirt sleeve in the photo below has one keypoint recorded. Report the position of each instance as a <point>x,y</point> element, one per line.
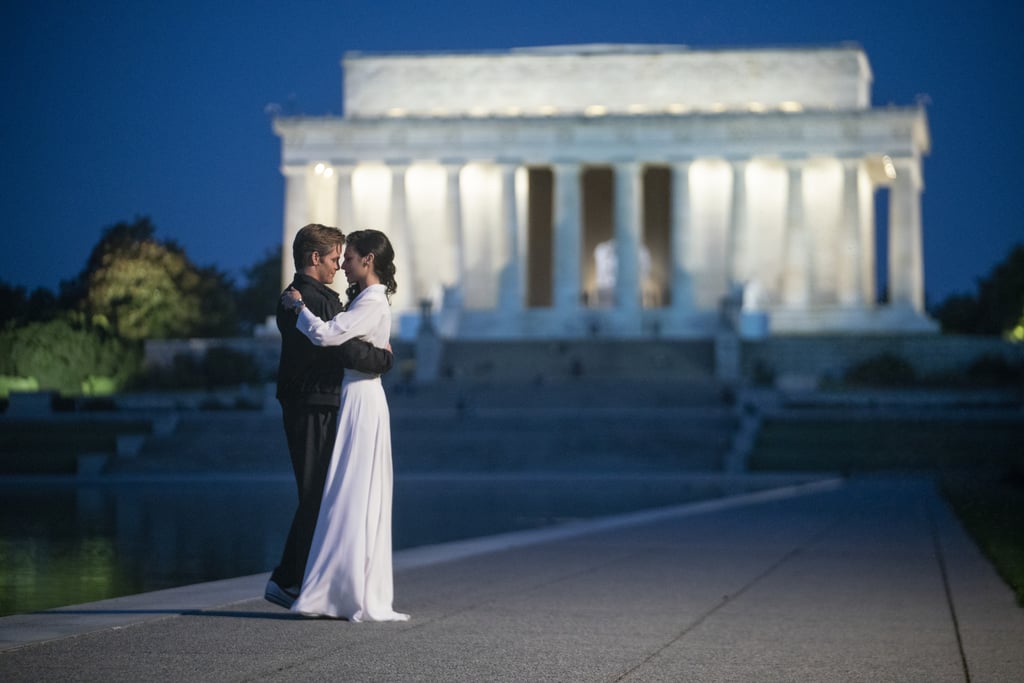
<point>358,321</point>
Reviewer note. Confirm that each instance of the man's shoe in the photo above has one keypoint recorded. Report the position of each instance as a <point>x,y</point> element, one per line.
<point>279,596</point>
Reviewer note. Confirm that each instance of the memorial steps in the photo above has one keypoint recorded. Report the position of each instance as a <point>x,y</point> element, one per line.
<point>580,426</point>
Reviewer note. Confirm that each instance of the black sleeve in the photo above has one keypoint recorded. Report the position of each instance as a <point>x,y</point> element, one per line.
<point>363,356</point>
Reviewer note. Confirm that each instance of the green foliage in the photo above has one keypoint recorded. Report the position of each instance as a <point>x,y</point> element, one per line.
<point>958,313</point>
<point>258,299</point>
<point>148,289</point>
<point>69,356</point>
<point>990,503</point>
<point>144,292</point>
<point>133,287</point>
<point>17,306</point>
<point>998,306</point>
<point>883,370</point>
<point>140,287</point>
<point>9,384</point>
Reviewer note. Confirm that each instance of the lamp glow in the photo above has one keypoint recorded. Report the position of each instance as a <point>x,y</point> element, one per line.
<point>890,168</point>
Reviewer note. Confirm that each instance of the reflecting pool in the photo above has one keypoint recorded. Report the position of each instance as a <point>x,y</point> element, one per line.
<point>64,543</point>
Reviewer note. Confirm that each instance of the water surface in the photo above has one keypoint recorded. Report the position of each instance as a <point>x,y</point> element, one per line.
<point>64,543</point>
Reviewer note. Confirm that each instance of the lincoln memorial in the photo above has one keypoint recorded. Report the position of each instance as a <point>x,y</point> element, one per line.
<point>624,191</point>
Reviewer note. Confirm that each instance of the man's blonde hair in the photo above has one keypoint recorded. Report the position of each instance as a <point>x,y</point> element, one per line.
<point>315,238</point>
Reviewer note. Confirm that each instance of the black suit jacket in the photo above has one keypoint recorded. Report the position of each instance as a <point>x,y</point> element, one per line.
<point>309,374</point>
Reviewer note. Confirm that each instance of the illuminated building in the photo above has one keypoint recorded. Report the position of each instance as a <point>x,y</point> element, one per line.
<point>623,190</point>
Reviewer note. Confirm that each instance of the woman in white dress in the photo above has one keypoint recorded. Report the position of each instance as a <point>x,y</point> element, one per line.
<point>349,574</point>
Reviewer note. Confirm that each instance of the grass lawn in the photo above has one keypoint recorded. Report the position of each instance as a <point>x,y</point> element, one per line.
<point>979,466</point>
<point>990,503</point>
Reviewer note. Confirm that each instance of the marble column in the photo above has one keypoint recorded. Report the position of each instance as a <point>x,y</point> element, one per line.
<point>456,266</point>
<point>567,237</point>
<point>906,262</point>
<point>796,276</point>
<point>296,215</point>
<point>510,293</point>
<point>628,222</point>
<point>345,220</point>
<point>851,255</point>
<point>681,226</point>
<point>410,289</point>
<point>737,258</point>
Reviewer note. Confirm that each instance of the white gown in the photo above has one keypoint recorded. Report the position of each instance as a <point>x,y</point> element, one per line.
<point>348,573</point>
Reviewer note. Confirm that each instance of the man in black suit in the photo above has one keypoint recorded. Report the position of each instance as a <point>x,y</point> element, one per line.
<point>309,390</point>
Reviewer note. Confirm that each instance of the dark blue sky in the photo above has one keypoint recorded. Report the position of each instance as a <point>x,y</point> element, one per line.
<point>119,109</point>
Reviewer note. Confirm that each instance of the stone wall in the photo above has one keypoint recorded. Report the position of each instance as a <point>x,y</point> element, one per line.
<point>540,361</point>
<point>830,356</point>
<point>160,353</point>
<point>809,357</point>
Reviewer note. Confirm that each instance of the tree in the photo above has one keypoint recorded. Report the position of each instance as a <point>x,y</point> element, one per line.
<point>258,299</point>
<point>998,306</point>
<point>959,313</point>
<point>148,289</point>
<point>17,307</point>
<point>1001,294</point>
<point>13,304</point>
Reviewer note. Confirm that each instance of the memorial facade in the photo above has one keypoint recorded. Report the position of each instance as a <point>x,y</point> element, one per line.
<point>623,191</point>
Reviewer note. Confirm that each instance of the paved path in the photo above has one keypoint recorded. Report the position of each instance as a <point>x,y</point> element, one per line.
<point>871,580</point>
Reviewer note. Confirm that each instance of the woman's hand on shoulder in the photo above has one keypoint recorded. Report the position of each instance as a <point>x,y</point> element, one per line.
<point>291,299</point>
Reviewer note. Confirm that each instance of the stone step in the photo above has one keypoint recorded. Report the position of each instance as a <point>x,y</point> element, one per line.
<point>491,440</point>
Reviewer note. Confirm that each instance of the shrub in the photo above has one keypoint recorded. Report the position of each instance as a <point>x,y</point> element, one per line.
<point>992,369</point>
<point>9,384</point>
<point>68,356</point>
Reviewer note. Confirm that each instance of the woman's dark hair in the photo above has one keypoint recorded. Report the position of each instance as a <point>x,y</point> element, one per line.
<point>367,242</point>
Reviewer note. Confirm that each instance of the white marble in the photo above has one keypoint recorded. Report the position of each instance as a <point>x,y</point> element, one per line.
<point>477,165</point>
<point>611,79</point>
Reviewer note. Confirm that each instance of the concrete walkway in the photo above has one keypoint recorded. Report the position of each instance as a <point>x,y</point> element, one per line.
<point>867,580</point>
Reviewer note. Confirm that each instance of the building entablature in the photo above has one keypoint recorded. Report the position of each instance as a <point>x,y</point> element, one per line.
<point>605,78</point>
<point>897,132</point>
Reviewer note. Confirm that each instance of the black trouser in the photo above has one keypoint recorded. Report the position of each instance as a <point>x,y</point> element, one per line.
<point>310,432</point>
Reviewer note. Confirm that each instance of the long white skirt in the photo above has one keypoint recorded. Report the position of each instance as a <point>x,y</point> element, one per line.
<point>349,574</point>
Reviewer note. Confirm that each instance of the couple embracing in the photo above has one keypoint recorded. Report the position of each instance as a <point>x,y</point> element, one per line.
<point>337,557</point>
